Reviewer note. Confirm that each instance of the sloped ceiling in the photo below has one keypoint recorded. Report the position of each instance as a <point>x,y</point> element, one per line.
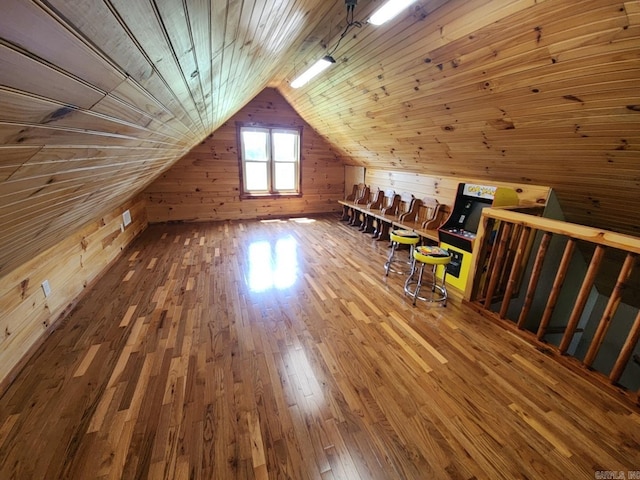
<point>99,97</point>
<point>545,92</point>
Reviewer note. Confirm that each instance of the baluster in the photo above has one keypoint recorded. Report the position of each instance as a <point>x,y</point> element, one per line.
<point>535,277</point>
<point>483,265</point>
<point>627,351</point>
<point>512,245</point>
<point>497,268</point>
<point>516,269</point>
<point>581,301</point>
<point>557,286</point>
<point>610,310</point>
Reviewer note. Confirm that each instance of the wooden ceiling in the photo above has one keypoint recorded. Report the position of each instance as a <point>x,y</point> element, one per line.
<point>99,97</point>
<point>524,91</point>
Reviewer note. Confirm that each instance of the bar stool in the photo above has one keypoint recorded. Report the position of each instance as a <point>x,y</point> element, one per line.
<point>433,256</point>
<point>400,237</point>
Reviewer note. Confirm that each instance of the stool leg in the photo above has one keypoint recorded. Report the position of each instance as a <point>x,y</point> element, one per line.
<point>363,224</point>
<point>384,232</point>
<point>444,287</point>
<point>368,226</point>
<point>415,294</point>
<point>345,213</point>
<point>412,263</point>
<point>435,279</point>
<point>391,255</point>
<point>409,279</point>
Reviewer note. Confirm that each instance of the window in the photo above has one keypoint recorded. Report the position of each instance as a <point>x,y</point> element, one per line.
<point>270,158</point>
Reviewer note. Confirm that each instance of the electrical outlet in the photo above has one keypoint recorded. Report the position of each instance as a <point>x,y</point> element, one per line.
<point>126,218</point>
<point>46,288</point>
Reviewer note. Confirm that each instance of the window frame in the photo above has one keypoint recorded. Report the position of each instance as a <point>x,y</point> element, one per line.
<point>271,192</point>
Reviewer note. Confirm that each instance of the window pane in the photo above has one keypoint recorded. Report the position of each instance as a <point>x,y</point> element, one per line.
<point>285,176</point>
<point>255,145</point>
<point>256,176</point>
<point>285,147</point>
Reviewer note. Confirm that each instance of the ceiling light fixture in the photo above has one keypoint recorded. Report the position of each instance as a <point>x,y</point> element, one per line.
<point>389,10</point>
<point>315,69</point>
<point>328,60</point>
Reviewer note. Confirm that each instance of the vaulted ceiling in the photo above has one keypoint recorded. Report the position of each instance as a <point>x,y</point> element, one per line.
<point>99,97</point>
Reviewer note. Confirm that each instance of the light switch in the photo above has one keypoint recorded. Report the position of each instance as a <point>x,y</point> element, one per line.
<point>126,218</point>
<point>46,288</point>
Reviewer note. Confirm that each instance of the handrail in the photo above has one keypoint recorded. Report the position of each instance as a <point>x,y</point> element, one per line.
<point>502,251</point>
<point>579,232</point>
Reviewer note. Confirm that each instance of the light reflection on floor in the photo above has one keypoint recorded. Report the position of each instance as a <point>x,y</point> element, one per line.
<point>304,384</point>
<point>272,266</point>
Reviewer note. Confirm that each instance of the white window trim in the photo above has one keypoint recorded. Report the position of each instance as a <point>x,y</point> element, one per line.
<point>271,191</point>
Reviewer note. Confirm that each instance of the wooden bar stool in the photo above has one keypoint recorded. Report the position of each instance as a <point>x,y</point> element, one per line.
<point>400,237</point>
<point>432,256</point>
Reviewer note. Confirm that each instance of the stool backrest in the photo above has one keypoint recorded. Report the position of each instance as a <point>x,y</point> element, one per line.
<point>354,192</point>
<point>433,215</point>
<point>406,203</point>
<point>363,197</point>
<point>430,207</point>
<point>377,202</point>
<point>391,202</point>
<point>412,213</point>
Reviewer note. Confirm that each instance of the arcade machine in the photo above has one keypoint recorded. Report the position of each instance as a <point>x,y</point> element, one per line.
<point>458,232</point>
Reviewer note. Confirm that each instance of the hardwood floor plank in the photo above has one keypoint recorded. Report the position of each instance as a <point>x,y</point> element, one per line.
<point>86,361</point>
<point>245,350</point>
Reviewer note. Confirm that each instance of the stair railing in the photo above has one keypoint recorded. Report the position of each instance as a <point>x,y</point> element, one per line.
<point>504,247</point>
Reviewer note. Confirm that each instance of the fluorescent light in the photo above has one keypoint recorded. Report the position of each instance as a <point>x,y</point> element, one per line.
<point>389,10</point>
<point>315,69</point>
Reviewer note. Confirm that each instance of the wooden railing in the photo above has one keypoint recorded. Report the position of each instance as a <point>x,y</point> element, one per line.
<point>511,264</point>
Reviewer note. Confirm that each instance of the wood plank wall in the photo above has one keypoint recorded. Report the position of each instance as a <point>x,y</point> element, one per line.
<point>205,184</point>
<point>85,121</point>
<point>69,266</point>
<point>444,189</point>
<point>352,176</point>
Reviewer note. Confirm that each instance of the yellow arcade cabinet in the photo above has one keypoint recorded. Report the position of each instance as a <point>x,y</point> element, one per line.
<point>458,232</point>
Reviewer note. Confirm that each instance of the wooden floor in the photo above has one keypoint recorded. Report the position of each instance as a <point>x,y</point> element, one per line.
<point>280,350</point>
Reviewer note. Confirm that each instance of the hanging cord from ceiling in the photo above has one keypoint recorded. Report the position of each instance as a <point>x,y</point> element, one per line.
<point>351,23</point>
